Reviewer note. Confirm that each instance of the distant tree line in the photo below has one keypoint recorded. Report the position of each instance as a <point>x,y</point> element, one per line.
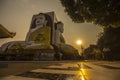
<point>107,47</point>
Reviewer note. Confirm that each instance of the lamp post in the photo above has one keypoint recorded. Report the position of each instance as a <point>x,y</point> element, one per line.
<point>79,42</point>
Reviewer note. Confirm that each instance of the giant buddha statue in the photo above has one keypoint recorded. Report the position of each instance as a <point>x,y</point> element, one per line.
<point>45,34</point>
<point>39,35</point>
<point>60,45</point>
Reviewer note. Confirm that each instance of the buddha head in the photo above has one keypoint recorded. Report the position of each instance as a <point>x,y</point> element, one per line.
<point>59,26</point>
<point>41,20</point>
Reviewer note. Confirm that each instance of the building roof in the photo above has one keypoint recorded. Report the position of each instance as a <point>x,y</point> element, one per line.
<point>4,33</point>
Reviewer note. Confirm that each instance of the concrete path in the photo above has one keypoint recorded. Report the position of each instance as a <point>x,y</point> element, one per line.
<point>70,70</point>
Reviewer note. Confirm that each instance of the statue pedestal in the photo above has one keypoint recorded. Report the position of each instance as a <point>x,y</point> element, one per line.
<point>45,55</point>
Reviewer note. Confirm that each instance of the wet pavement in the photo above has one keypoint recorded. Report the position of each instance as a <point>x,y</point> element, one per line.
<point>71,70</point>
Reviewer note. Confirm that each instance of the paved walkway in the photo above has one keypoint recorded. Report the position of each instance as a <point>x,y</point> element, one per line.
<point>71,71</point>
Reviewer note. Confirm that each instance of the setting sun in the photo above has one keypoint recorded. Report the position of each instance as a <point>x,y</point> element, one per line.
<point>78,42</point>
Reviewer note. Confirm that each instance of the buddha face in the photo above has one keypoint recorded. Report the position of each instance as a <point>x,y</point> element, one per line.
<point>40,20</point>
<point>60,27</point>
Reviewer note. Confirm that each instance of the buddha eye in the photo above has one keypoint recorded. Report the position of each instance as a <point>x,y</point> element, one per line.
<point>40,18</point>
<point>37,21</point>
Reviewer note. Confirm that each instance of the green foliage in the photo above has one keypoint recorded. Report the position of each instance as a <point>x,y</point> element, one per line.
<point>101,12</point>
<point>92,52</point>
<point>110,39</point>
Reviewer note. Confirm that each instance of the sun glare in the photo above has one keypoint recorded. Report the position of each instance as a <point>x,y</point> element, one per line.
<point>78,42</point>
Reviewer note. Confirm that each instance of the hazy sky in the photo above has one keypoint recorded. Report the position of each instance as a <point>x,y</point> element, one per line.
<point>16,16</point>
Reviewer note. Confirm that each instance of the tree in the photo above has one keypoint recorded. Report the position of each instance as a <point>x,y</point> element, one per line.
<point>110,39</point>
<point>101,12</point>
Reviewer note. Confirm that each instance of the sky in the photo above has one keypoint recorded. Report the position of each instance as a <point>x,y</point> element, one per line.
<point>16,15</point>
